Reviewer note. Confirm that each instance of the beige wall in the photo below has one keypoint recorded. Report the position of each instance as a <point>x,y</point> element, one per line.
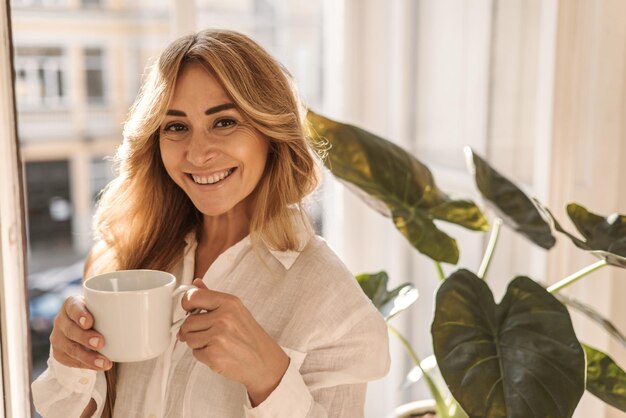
<point>589,151</point>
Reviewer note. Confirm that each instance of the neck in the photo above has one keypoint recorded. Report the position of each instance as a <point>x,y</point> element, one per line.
<point>224,230</point>
<point>219,233</point>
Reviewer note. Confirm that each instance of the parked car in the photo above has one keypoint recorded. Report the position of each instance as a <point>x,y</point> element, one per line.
<point>46,292</point>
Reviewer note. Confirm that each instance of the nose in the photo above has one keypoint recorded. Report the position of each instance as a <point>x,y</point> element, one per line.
<point>201,149</point>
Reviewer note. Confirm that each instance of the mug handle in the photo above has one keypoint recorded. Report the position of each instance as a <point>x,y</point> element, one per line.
<point>179,290</point>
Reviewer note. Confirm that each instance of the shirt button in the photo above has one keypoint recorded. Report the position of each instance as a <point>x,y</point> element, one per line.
<point>83,381</point>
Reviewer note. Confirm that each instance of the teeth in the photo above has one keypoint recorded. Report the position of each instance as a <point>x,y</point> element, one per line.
<point>214,178</point>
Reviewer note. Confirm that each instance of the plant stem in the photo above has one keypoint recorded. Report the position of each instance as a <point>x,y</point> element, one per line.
<point>573,278</point>
<point>442,411</point>
<point>491,246</point>
<point>442,275</point>
<point>406,345</point>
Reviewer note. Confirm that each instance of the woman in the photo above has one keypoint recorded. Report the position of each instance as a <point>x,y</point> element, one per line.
<point>211,174</point>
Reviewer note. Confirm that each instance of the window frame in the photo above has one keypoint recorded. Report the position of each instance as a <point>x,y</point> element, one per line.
<point>15,338</point>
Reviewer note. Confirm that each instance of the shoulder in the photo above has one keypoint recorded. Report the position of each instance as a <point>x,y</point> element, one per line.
<point>317,251</point>
<point>328,287</point>
<point>320,265</point>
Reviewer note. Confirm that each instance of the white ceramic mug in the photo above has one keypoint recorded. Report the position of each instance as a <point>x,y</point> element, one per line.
<point>133,310</point>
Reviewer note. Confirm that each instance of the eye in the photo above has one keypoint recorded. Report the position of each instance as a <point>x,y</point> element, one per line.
<point>225,123</point>
<point>175,127</point>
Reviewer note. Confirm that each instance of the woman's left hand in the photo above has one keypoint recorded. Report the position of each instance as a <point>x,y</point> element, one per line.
<point>231,342</point>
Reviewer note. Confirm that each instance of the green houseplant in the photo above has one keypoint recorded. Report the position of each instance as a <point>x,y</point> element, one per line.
<point>516,358</point>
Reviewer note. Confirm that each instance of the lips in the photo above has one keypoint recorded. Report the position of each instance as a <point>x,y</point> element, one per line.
<point>213,178</point>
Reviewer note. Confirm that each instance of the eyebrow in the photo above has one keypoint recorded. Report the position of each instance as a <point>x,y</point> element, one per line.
<point>209,111</point>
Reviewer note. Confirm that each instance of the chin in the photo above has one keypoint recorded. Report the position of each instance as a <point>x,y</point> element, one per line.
<point>213,211</point>
<point>219,207</point>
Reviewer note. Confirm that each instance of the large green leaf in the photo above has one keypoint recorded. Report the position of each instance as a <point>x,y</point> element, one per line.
<point>594,316</point>
<point>396,184</point>
<point>512,205</point>
<point>604,236</point>
<point>388,302</point>
<point>518,359</point>
<point>605,378</point>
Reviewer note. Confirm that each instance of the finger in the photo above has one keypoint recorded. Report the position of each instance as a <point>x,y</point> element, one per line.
<point>204,298</point>
<point>198,340</point>
<point>197,322</point>
<point>76,310</point>
<point>217,342</point>
<point>66,360</point>
<point>90,359</point>
<point>199,283</point>
<point>81,356</point>
<point>80,345</point>
<point>88,338</point>
<point>213,337</point>
<point>213,361</point>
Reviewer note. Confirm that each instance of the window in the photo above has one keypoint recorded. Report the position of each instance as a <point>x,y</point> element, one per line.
<point>101,174</point>
<point>49,207</point>
<point>94,75</point>
<point>38,3</point>
<point>40,77</point>
<point>91,3</point>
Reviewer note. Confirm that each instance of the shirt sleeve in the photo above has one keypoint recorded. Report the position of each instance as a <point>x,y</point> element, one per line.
<point>64,392</point>
<point>331,379</point>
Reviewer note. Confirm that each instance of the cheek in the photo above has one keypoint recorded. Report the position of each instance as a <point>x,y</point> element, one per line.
<point>258,168</point>
<point>253,153</point>
<point>261,160</point>
<point>168,156</point>
<point>261,154</point>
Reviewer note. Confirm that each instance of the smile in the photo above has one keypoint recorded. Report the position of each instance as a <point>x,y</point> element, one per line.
<point>213,178</point>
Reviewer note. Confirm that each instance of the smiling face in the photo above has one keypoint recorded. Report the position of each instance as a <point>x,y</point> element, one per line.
<point>208,148</point>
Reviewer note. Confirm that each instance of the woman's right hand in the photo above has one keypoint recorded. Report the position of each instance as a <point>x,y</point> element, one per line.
<point>74,342</point>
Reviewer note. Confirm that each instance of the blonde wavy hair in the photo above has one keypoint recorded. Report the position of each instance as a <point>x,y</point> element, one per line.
<point>143,217</point>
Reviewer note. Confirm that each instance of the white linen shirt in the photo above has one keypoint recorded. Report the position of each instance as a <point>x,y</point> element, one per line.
<point>307,301</point>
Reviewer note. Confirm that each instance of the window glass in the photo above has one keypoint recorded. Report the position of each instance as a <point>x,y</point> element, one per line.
<point>101,175</point>
<point>39,76</point>
<point>49,209</point>
<point>38,3</point>
<point>94,75</point>
<point>91,3</point>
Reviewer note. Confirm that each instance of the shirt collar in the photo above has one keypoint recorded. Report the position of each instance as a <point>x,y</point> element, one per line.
<point>286,258</point>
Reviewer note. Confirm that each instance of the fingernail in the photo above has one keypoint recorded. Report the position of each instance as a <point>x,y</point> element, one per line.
<point>83,321</point>
<point>93,341</point>
<point>99,363</point>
